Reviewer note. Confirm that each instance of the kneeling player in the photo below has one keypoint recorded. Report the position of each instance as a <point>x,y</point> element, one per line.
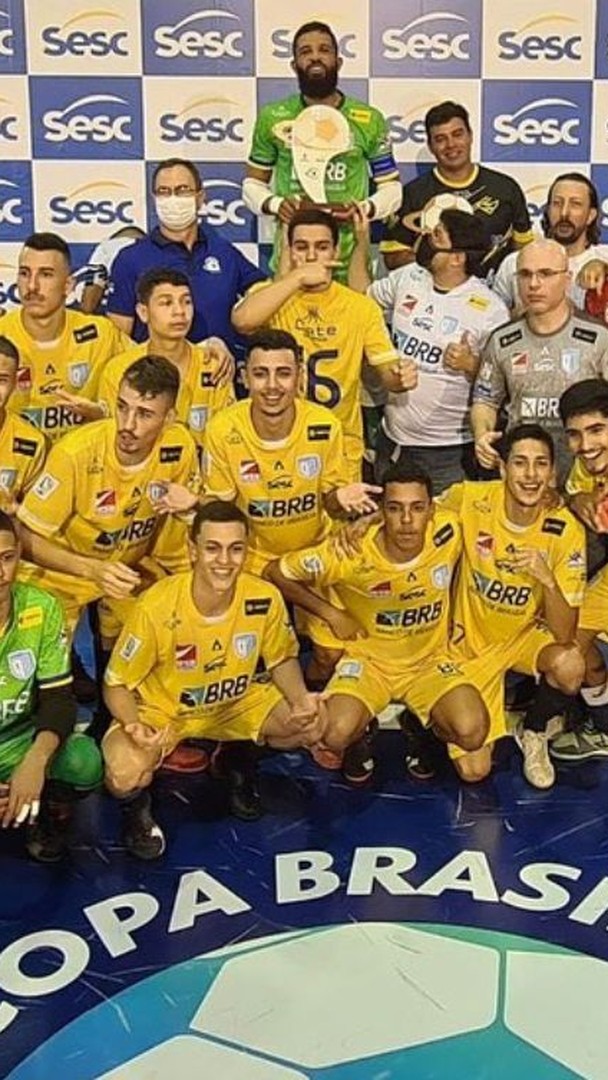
<point>187,664</point>
<point>392,612</point>
<point>42,764</point>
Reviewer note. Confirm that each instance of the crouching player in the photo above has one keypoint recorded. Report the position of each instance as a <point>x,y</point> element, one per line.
<point>43,766</point>
<point>188,664</point>
<point>390,606</point>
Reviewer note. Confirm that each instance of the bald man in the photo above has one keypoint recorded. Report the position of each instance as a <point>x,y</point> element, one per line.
<point>528,363</point>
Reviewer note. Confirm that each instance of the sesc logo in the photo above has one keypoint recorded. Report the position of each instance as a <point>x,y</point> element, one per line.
<point>198,40</point>
<point>518,129</point>
<point>407,128</point>
<point>438,42</point>
<point>12,37</point>
<point>225,209</point>
<point>108,203</point>
<point>11,204</point>
<point>87,118</point>
<point>521,45</point>
<point>198,123</point>
<point>282,42</point>
<point>60,41</point>
<point>9,296</point>
<point>16,215</point>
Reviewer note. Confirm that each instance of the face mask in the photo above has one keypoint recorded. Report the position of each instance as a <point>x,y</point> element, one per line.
<point>176,212</point>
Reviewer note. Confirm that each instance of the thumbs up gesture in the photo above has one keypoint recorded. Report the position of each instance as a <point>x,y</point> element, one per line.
<point>459,356</point>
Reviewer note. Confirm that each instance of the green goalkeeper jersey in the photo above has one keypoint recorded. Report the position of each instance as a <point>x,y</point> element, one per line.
<point>348,174</point>
<point>33,652</point>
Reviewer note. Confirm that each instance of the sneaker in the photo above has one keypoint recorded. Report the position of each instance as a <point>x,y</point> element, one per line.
<point>358,763</point>
<point>186,760</point>
<point>580,745</point>
<point>419,748</point>
<point>236,765</point>
<point>141,834</point>
<point>47,840</point>
<point>538,769</point>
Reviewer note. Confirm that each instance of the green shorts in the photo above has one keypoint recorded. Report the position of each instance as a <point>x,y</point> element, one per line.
<point>77,762</point>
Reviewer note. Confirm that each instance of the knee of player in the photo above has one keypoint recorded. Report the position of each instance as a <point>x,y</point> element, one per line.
<point>474,732</point>
<point>123,774</point>
<point>78,763</point>
<point>475,768</point>
<point>568,669</point>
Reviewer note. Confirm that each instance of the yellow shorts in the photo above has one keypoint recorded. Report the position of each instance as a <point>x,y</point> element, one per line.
<point>241,719</point>
<point>487,673</point>
<point>377,682</point>
<point>594,612</point>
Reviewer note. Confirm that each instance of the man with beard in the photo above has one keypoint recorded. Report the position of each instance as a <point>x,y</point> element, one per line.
<point>316,64</point>
<point>571,218</point>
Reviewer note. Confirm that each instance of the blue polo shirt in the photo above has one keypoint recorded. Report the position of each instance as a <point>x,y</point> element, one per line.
<point>217,271</point>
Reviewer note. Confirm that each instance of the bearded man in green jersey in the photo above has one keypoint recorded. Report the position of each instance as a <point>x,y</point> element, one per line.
<point>43,766</point>
<point>316,64</point>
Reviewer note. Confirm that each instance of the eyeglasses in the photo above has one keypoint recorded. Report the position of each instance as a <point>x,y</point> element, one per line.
<point>544,274</point>
<point>180,191</point>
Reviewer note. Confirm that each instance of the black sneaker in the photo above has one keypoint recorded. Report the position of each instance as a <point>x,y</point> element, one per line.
<point>47,840</point>
<point>236,765</point>
<point>359,763</point>
<point>142,835</point>
<point>419,748</point>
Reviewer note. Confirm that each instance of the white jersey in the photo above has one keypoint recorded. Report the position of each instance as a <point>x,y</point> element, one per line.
<point>505,284</point>
<point>424,321</point>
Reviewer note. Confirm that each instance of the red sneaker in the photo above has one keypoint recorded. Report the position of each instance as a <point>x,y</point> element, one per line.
<point>186,759</point>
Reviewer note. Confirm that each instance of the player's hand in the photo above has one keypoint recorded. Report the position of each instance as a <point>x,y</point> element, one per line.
<point>592,276</point>
<point>360,222</point>
<point>288,208</point>
<point>485,453</point>
<point>308,719</point>
<point>344,212</point>
<point>80,406</point>
<point>591,508</point>
<point>358,498</point>
<point>21,803</point>
<point>217,350</point>
<point>115,579</point>
<point>347,542</point>
<point>344,626</point>
<point>532,561</point>
<point>407,373</point>
<point>459,356</point>
<point>311,275</point>
<point>146,737</point>
<point>177,499</point>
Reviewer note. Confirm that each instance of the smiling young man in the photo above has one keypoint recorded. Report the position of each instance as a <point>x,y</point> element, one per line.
<point>22,446</point>
<point>187,664</point>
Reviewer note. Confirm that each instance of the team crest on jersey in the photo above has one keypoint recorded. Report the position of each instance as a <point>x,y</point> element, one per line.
<point>244,645</point>
<point>520,363</point>
<point>157,490</point>
<point>78,374</point>
<point>212,265</point>
<point>131,646</point>
<point>571,361</point>
<point>106,502</point>
<point>349,669</point>
<point>7,479</point>
<point>441,576</point>
<point>313,564</point>
<point>383,588</point>
<point>249,471</point>
<point>484,544</point>
<point>22,664</point>
<point>309,465</point>
<point>448,325</point>
<point>185,657</point>
<point>197,418</point>
<point>45,486</point>
<point>24,378</point>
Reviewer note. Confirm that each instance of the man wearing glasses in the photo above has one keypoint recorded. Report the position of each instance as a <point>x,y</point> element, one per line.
<point>217,271</point>
<point>528,363</point>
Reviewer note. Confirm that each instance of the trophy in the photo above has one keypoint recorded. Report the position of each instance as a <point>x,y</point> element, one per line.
<point>318,135</point>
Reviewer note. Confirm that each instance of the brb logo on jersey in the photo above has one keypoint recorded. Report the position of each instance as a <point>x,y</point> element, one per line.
<point>523,126</point>
<point>12,38</point>
<point>16,202</point>
<point>196,39</point>
<point>87,118</point>
<point>440,42</point>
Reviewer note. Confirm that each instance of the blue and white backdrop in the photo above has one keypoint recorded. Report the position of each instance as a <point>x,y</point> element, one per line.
<point>91,96</point>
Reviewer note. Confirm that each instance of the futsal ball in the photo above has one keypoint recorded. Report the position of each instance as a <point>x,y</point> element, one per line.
<point>366,1000</point>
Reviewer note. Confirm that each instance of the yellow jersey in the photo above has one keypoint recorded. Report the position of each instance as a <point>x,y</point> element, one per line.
<point>87,502</point>
<point>198,399</point>
<point>581,480</point>
<point>22,452</point>
<point>493,603</point>
<point>337,329</point>
<point>278,485</point>
<point>183,665</point>
<point>73,363</point>
<point>404,608</point>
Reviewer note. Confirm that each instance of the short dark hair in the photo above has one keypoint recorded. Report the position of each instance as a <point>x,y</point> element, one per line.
<point>310,215</point>
<point>586,396</point>
<point>171,163</point>
<point>160,275</point>
<point>527,431</point>
<point>7,524</point>
<point>443,113</point>
<point>407,474</point>
<point>468,234</point>
<point>152,376</point>
<point>271,340</point>
<point>311,27</point>
<point>218,510</point>
<point>8,349</point>
<point>593,232</point>
<point>49,241</point>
